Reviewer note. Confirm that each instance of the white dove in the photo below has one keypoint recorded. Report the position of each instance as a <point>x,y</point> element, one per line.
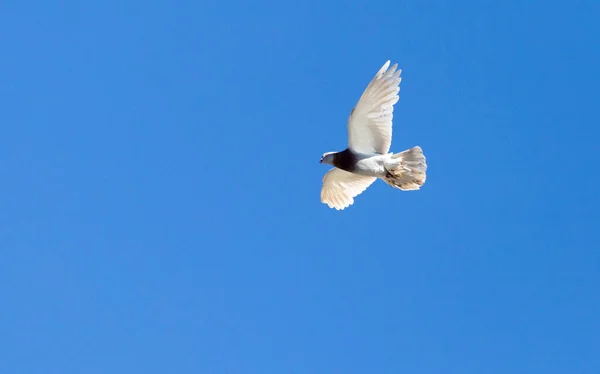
<point>369,140</point>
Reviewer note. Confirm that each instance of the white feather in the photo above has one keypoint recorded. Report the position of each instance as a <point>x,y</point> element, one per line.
<point>340,187</point>
<point>370,123</point>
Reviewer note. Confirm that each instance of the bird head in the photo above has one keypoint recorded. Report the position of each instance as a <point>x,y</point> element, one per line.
<point>327,158</point>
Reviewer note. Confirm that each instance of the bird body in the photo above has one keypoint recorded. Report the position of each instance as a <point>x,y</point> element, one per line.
<point>368,165</point>
<point>367,157</point>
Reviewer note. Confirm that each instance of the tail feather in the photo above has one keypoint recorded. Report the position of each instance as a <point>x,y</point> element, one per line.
<point>407,170</point>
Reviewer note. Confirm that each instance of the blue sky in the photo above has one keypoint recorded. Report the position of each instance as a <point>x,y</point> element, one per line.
<point>160,188</point>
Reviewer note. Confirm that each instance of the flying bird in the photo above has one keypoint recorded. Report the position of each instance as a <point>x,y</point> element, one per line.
<point>367,156</point>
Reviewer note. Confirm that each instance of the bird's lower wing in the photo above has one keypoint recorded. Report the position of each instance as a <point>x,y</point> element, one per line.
<point>340,187</point>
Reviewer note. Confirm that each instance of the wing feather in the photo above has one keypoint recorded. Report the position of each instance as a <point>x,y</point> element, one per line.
<point>370,122</point>
<point>340,187</point>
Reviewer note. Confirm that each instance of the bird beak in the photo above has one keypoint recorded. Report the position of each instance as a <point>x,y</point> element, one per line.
<point>321,160</point>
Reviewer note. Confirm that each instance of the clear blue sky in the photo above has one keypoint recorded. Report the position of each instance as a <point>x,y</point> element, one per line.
<point>160,188</point>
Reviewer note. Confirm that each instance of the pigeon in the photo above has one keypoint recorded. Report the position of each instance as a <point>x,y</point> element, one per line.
<point>367,157</point>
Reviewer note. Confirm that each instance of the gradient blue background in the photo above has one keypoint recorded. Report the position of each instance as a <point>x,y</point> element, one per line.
<point>160,187</point>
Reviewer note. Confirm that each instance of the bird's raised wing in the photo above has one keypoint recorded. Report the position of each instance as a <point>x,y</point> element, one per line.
<point>340,187</point>
<point>370,123</point>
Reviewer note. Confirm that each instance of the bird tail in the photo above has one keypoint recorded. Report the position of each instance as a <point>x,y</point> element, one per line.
<point>406,170</point>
